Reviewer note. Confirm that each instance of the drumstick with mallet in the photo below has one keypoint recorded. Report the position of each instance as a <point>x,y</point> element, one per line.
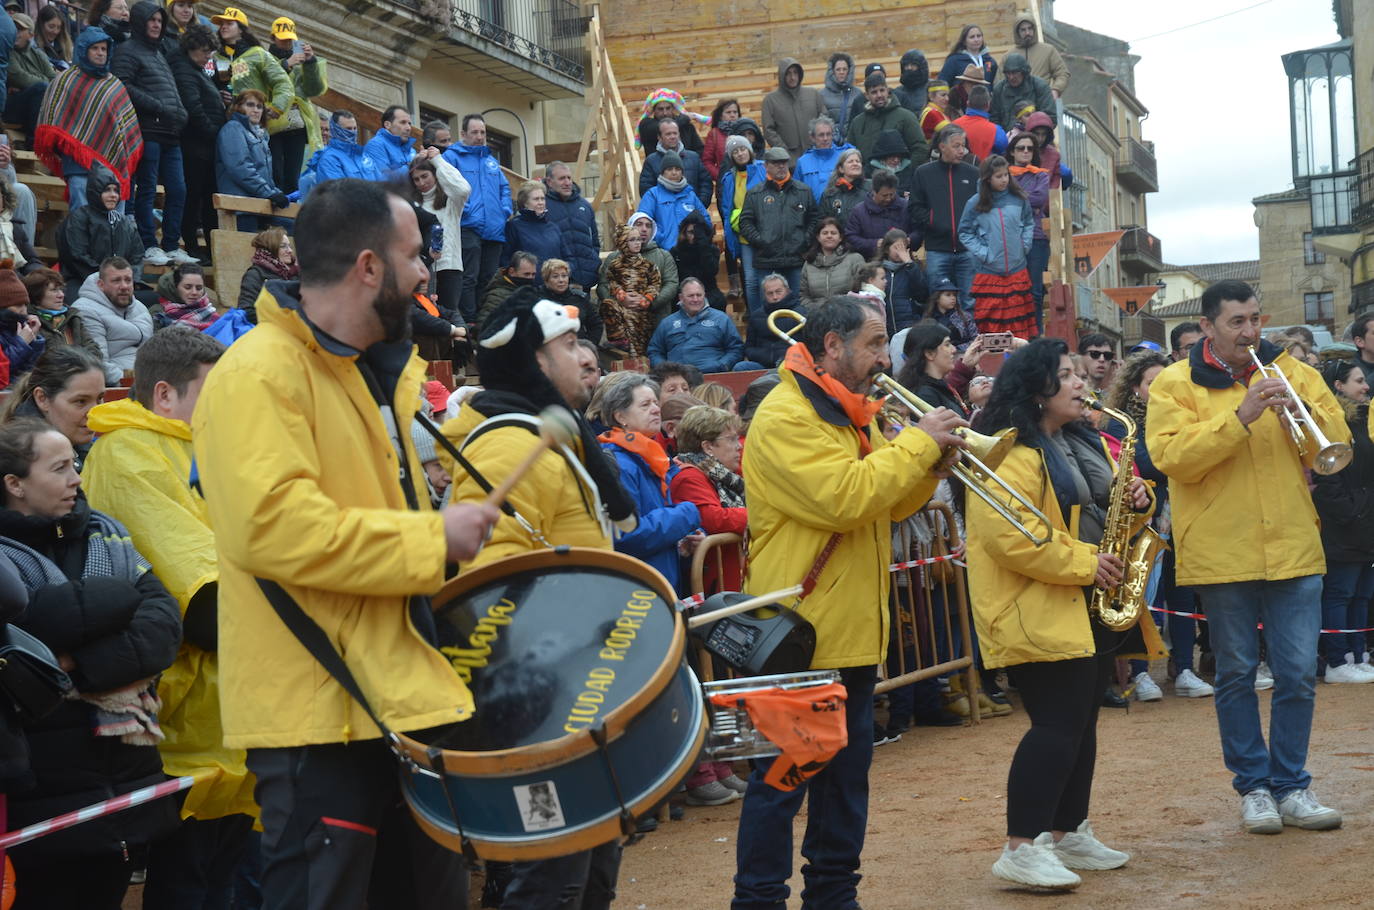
<point>557,427</point>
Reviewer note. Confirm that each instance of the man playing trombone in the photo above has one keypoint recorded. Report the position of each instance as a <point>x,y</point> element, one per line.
<point>1233,427</point>
<point>823,488</point>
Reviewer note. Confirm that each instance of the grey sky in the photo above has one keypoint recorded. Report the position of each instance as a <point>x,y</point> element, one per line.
<point>1218,104</point>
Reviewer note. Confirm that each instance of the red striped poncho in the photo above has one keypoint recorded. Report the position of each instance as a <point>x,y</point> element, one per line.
<point>88,120</point>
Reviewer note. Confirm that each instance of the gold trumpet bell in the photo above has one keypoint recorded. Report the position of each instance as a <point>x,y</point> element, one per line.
<point>990,450</point>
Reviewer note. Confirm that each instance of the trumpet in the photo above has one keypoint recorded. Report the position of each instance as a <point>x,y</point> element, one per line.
<point>976,464</point>
<point>1306,434</point>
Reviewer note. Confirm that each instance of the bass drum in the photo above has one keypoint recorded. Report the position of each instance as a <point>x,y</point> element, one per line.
<point>558,647</point>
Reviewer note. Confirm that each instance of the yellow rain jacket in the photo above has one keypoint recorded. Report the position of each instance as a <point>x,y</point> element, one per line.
<point>1241,508</point>
<point>805,481</point>
<point>1028,601</point>
<point>139,472</point>
<point>548,497</point>
<point>303,488</point>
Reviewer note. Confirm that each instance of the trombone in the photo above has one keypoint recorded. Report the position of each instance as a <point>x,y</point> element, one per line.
<point>976,463</point>
<point>1331,456</point>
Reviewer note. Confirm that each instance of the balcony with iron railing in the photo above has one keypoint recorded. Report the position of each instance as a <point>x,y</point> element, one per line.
<point>1334,198</point>
<point>1363,212</point>
<point>1139,252</point>
<point>1135,166</point>
<point>536,47</point>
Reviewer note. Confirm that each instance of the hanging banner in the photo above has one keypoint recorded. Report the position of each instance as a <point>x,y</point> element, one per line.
<point>1131,300</point>
<point>1090,249</point>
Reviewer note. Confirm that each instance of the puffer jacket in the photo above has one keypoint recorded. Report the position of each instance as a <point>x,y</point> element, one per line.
<point>1241,509</point>
<point>829,275</point>
<point>807,482</point>
<point>533,234</point>
<point>662,522</point>
<point>840,198</point>
<point>489,206</point>
<point>244,162</point>
<point>777,222</point>
<point>322,492</point>
<point>392,153</point>
<point>937,202</point>
<point>839,97</point>
<point>117,331</point>
<point>669,208</point>
<point>816,165</point>
<point>576,219</point>
<point>87,236</point>
<point>137,472</point>
<point>139,64</point>
<point>998,239</point>
<point>753,176</point>
<point>708,341</point>
<point>869,222</point>
<point>344,157</point>
<point>788,112</point>
<point>1008,99</point>
<point>907,292</point>
<point>204,109</point>
<point>119,631</point>
<point>911,93</point>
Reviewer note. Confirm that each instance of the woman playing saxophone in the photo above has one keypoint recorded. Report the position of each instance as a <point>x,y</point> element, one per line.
<point>1031,609</point>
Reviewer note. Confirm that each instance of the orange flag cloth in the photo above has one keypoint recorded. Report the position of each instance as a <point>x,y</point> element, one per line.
<point>807,724</point>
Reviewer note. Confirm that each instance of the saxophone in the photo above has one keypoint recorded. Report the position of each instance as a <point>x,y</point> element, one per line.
<point>1120,608</point>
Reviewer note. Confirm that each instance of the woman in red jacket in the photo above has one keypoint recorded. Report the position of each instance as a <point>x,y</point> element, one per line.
<point>709,450</point>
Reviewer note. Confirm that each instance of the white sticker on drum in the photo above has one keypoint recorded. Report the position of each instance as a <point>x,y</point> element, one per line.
<point>539,806</point>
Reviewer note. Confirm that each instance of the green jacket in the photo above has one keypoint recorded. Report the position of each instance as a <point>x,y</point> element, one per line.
<point>29,67</point>
<point>863,132</point>
<point>310,81</point>
<point>256,68</point>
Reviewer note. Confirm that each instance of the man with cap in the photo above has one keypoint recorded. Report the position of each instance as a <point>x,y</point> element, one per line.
<point>971,76</point>
<point>861,102</point>
<point>776,221</point>
<point>29,75</point>
<point>670,141</point>
<point>295,137</point>
<point>326,520</point>
<point>884,113</point>
<point>1017,89</point>
<point>984,136</point>
<point>393,147</point>
<point>788,109</point>
<point>529,359</point>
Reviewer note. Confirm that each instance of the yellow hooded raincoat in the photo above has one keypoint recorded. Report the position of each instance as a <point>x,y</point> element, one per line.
<point>302,485</point>
<point>139,472</point>
<point>806,481</point>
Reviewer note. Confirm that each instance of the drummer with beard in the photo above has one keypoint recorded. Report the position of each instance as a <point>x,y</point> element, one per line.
<point>529,358</point>
<point>310,485</point>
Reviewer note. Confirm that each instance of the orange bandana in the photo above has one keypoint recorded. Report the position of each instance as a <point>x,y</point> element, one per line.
<point>646,447</point>
<point>428,305</point>
<point>1017,170</point>
<point>859,409</point>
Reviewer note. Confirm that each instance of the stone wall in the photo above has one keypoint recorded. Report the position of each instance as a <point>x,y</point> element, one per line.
<point>1284,276</point>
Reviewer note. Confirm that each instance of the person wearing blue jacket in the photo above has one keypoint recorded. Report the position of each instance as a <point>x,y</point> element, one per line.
<point>629,407</point>
<point>670,201</point>
<point>817,163</point>
<point>699,335</point>
<point>670,142</point>
<point>243,161</point>
<point>487,209</point>
<point>530,230</point>
<point>739,174</point>
<point>344,157</point>
<point>577,220</point>
<point>997,228</point>
<point>393,148</point>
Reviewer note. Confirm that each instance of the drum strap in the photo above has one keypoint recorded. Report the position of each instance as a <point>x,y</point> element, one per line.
<point>809,582</point>
<point>315,640</point>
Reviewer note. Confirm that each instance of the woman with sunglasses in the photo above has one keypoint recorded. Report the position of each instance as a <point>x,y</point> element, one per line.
<point>1035,180</point>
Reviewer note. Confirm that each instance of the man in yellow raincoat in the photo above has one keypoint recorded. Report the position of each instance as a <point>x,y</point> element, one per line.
<point>311,485</point>
<point>140,472</point>
<point>823,488</point>
<point>1248,543</point>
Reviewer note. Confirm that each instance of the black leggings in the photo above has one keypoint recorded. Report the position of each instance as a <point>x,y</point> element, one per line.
<point>1051,775</point>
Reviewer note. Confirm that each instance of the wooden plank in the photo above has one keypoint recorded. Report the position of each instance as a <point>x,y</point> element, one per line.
<point>233,253</point>
<point>557,151</point>
<point>249,205</point>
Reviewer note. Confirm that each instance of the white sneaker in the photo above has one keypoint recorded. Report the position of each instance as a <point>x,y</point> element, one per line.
<point>1188,685</point>
<point>1365,668</point>
<point>1035,865</point>
<point>155,255</point>
<point>1263,678</point>
<point>179,256</point>
<point>1081,850</point>
<point>1300,809</point>
<point>1259,813</point>
<point>1347,673</point>
<point>1146,689</point>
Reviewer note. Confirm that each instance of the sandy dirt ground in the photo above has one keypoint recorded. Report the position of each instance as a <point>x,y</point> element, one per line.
<point>937,821</point>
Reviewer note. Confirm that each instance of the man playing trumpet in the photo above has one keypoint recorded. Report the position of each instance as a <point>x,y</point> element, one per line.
<point>1247,540</point>
<point>824,487</point>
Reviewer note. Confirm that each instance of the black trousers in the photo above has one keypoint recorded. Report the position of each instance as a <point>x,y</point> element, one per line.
<point>1051,777</point>
<point>193,867</point>
<point>335,828</point>
<point>73,883</point>
<point>200,198</point>
<point>288,155</point>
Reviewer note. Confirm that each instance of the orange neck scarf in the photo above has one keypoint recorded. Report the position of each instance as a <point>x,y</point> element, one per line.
<point>646,447</point>
<point>1017,170</point>
<point>859,409</point>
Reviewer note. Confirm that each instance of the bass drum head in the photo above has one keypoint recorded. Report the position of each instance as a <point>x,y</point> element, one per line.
<point>551,643</point>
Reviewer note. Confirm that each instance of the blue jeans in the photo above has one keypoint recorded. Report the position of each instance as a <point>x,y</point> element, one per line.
<point>1345,605</point>
<point>160,162</point>
<point>745,365</point>
<point>837,814</point>
<point>1291,613</point>
<point>957,267</point>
